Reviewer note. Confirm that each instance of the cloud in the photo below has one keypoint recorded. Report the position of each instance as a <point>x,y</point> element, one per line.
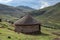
<point>5,1</point>
<point>44,4</point>
<point>27,0</point>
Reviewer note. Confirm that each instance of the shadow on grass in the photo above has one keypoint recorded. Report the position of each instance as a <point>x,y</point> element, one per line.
<point>56,33</point>
<point>36,34</point>
<point>43,34</point>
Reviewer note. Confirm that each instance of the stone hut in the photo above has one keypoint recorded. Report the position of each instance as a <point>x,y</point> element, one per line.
<point>27,24</point>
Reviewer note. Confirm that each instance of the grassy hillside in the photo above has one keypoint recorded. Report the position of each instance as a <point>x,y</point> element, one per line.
<point>6,34</point>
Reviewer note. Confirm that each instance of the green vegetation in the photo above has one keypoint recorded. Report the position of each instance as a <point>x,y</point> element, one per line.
<point>49,16</point>
<point>6,34</point>
<point>6,25</point>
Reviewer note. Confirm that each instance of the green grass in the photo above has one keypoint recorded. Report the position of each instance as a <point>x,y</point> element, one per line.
<point>47,35</point>
<point>5,33</point>
<point>6,25</point>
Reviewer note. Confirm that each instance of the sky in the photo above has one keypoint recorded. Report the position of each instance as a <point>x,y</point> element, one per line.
<point>37,4</point>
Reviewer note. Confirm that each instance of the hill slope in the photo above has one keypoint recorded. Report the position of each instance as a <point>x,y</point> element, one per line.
<point>51,16</point>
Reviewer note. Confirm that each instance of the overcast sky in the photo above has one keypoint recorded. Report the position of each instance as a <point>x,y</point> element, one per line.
<point>37,4</point>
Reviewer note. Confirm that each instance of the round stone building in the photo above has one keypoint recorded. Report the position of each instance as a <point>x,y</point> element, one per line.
<point>27,24</point>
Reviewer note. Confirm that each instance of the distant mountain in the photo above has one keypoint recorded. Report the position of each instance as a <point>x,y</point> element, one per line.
<point>25,8</point>
<point>13,11</point>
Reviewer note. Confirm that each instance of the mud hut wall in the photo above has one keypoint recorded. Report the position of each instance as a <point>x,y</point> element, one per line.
<point>31,28</point>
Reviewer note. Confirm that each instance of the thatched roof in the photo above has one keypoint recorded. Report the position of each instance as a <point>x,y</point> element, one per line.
<point>26,20</point>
